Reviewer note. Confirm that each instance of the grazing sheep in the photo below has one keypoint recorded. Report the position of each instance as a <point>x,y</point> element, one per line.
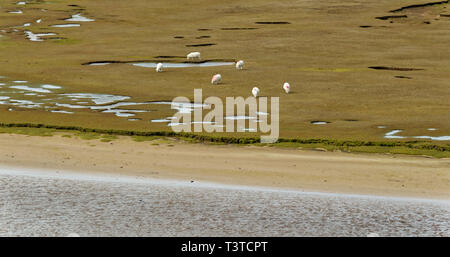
<point>287,87</point>
<point>255,91</point>
<point>159,67</point>
<point>240,65</point>
<point>193,55</point>
<point>216,79</point>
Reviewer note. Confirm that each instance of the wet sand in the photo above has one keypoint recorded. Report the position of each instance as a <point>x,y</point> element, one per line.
<point>47,203</point>
<point>383,175</point>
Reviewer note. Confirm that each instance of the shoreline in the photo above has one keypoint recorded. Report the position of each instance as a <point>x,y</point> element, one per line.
<point>433,148</point>
<point>59,204</point>
<point>286,169</point>
<point>128,179</point>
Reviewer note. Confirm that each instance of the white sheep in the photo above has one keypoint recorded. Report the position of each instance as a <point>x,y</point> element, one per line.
<point>287,87</point>
<point>216,79</point>
<point>255,91</point>
<point>193,55</point>
<point>240,65</point>
<point>159,67</point>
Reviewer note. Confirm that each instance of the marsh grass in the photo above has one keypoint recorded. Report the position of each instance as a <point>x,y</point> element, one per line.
<point>29,131</point>
<point>108,138</point>
<point>66,41</point>
<point>168,138</point>
<point>323,53</point>
<point>88,135</point>
<point>145,138</point>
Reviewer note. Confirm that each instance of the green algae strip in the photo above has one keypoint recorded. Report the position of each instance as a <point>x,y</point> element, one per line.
<point>425,148</point>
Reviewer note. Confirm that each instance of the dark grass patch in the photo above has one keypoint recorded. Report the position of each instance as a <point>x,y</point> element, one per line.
<point>54,38</point>
<point>159,59</point>
<point>178,37</point>
<point>402,77</point>
<point>391,17</point>
<point>134,119</point>
<point>319,121</point>
<point>273,22</point>
<point>365,26</point>
<point>169,56</point>
<point>200,37</point>
<point>211,60</point>
<point>200,45</point>
<point>329,143</point>
<point>419,6</point>
<point>96,62</point>
<point>238,28</point>
<point>204,29</point>
<point>393,68</point>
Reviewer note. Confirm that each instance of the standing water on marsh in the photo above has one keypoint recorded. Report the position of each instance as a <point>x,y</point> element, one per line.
<point>78,17</point>
<point>165,64</point>
<point>182,65</point>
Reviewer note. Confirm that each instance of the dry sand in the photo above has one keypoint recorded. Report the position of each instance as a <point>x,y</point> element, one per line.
<point>374,174</point>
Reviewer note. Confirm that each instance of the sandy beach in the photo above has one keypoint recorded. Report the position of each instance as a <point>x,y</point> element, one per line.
<point>333,172</point>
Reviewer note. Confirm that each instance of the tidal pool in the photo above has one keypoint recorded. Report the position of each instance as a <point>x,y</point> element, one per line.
<point>97,98</point>
<point>24,103</point>
<point>78,17</point>
<point>108,108</point>
<point>441,138</point>
<point>160,120</point>
<point>51,87</point>
<point>16,12</point>
<point>175,124</point>
<point>105,103</point>
<point>99,63</point>
<point>61,111</point>
<point>182,65</point>
<point>392,135</point>
<point>182,107</point>
<point>37,37</point>
<point>320,122</point>
<point>33,89</point>
<point>65,25</point>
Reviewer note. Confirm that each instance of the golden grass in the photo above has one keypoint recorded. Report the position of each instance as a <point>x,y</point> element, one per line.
<point>323,53</point>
